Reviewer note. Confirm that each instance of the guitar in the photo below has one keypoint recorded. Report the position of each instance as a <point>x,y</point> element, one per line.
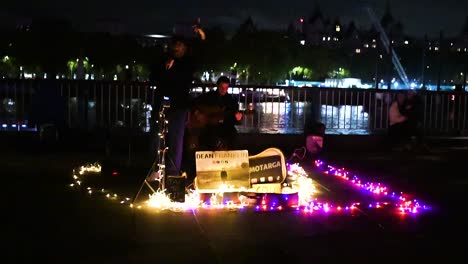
<point>199,118</point>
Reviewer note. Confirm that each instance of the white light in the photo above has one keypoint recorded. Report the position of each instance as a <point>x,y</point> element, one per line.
<point>157,36</point>
<point>126,67</point>
<point>358,50</point>
<point>14,125</point>
<point>406,42</point>
<point>395,84</point>
<point>23,125</point>
<point>4,125</point>
<point>302,42</point>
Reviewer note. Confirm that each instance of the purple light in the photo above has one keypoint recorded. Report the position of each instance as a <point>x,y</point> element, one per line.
<point>404,204</point>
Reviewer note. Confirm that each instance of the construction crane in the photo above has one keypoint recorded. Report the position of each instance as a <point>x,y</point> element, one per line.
<point>388,48</point>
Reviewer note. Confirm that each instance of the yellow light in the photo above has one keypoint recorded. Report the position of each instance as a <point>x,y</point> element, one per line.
<point>299,182</point>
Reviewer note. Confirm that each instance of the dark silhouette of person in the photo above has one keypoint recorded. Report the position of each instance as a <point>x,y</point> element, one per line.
<point>173,77</point>
<point>413,110</point>
<point>399,127</point>
<point>220,132</point>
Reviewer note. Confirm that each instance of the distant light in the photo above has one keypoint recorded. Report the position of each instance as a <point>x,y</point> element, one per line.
<point>302,42</point>
<point>157,36</point>
<point>358,50</point>
<point>4,125</point>
<point>338,28</point>
<point>301,20</point>
<point>406,42</point>
<point>23,125</point>
<point>14,125</point>
<point>395,84</point>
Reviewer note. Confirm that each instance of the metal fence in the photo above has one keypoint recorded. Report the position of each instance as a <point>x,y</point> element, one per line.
<point>267,109</point>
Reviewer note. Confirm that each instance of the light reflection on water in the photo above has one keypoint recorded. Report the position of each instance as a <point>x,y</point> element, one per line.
<point>290,117</point>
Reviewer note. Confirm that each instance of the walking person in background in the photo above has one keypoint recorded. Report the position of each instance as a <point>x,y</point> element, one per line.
<point>413,109</point>
<point>399,126</point>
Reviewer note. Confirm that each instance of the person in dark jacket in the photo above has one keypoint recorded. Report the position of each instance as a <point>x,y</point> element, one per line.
<point>220,132</point>
<point>173,77</point>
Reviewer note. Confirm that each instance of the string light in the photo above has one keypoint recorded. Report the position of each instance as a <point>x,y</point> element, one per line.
<point>297,193</point>
<point>399,201</point>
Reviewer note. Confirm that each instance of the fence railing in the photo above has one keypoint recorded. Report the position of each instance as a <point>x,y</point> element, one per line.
<point>267,109</point>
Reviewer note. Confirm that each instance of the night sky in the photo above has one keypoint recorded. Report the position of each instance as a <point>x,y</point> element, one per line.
<point>155,16</point>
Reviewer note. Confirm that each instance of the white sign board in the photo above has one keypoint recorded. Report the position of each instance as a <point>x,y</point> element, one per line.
<point>226,171</point>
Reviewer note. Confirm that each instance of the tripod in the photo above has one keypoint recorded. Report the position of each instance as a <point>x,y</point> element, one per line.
<point>160,158</point>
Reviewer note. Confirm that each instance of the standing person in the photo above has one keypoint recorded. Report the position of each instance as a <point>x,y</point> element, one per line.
<point>399,127</point>
<point>414,111</point>
<point>173,78</point>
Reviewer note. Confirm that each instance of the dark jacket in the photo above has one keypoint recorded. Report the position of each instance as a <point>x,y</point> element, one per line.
<point>226,102</point>
<point>175,82</point>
